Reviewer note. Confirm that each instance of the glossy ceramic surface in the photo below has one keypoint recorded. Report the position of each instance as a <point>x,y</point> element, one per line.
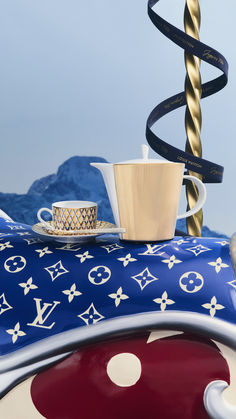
<point>144,195</point>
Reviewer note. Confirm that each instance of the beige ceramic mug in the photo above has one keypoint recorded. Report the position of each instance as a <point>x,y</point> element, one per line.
<point>148,196</point>
<point>70,216</point>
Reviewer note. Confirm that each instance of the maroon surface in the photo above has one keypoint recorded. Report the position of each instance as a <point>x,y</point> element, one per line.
<point>175,372</point>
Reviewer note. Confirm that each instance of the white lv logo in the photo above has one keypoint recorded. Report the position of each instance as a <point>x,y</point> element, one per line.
<point>153,249</point>
<point>39,319</point>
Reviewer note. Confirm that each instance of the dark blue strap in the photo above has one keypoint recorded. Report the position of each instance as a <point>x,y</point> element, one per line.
<point>211,172</point>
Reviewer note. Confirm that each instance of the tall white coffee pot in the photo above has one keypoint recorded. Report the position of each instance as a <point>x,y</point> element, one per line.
<point>144,196</point>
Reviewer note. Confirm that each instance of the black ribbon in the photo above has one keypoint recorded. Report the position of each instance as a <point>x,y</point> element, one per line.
<point>211,172</point>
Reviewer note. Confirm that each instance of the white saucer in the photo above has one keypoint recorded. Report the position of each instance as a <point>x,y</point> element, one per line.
<point>103,227</point>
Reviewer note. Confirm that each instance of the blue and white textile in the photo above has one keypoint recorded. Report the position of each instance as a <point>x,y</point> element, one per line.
<point>47,287</point>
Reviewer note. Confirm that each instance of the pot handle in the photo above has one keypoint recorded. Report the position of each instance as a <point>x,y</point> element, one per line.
<point>201,198</point>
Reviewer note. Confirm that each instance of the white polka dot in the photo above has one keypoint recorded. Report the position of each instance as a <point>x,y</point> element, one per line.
<point>124,369</point>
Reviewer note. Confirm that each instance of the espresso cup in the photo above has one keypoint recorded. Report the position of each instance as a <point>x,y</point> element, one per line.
<point>148,196</point>
<point>70,215</point>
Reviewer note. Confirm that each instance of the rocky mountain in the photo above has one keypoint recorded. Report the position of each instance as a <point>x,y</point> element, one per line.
<point>74,180</point>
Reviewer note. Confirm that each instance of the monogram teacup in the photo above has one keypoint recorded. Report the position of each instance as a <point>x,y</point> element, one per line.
<point>70,215</point>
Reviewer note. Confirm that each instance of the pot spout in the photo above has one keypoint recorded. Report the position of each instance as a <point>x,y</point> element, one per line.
<point>107,172</point>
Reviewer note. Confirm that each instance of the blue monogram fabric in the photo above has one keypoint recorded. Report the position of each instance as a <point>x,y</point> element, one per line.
<point>49,287</point>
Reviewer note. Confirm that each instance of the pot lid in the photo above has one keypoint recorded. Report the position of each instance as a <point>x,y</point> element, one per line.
<point>145,159</point>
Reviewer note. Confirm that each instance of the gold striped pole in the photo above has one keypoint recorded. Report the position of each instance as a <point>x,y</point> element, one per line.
<point>193,115</point>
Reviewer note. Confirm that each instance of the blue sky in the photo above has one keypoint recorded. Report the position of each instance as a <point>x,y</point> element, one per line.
<point>80,78</point>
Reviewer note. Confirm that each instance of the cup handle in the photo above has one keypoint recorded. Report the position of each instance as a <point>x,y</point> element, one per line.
<point>47,225</point>
<point>201,198</point>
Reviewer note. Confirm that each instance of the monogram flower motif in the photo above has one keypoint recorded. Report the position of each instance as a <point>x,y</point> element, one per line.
<point>180,241</point>
<point>171,261</point>
<point>4,306</point>
<point>223,243</point>
<point>197,250</point>
<point>44,251</point>
<point>144,278</point>
<point>91,315</point>
<point>99,275</point>
<point>84,256</point>
<point>4,246</point>
<point>118,296</point>
<point>163,301</point>
<point>72,293</point>
<point>28,286</point>
<point>218,265</point>
<point>112,247</point>
<point>15,264</point>
<point>213,306</point>
<point>232,283</point>
<point>127,259</point>
<point>191,282</point>
<point>16,332</point>
<point>56,270</point>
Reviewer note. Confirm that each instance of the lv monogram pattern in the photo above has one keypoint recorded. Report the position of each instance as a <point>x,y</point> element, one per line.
<point>49,287</point>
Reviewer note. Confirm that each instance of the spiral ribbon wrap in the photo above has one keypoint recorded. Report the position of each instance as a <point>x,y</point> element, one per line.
<point>211,172</point>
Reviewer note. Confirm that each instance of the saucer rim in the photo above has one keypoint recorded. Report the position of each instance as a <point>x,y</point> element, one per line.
<point>109,225</point>
<point>66,237</point>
